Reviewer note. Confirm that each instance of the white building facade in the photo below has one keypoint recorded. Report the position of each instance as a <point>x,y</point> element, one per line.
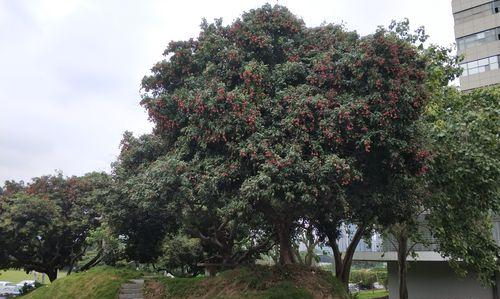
<point>477,33</point>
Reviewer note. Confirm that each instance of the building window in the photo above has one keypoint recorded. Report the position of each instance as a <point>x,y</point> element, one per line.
<point>496,231</point>
<point>477,12</point>
<point>478,39</point>
<point>480,66</point>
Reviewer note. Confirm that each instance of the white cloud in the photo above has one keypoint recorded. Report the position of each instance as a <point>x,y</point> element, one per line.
<point>70,70</point>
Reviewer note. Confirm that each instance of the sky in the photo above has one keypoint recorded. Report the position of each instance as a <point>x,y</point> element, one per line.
<point>70,70</point>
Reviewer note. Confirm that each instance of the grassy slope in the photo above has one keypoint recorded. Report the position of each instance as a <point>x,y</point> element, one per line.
<point>16,276</point>
<point>259,282</point>
<point>97,283</point>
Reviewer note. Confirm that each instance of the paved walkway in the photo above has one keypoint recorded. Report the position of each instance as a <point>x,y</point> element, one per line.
<point>132,289</point>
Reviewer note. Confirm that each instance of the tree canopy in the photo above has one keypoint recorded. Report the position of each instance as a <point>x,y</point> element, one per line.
<point>44,224</point>
<point>267,116</point>
<point>464,177</point>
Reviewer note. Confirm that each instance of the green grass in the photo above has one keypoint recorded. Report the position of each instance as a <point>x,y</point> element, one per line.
<point>286,290</point>
<point>200,287</point>
<point>182,286</point>
<point>372,294</point>
<point>97,283</point>
<point>16,276</point>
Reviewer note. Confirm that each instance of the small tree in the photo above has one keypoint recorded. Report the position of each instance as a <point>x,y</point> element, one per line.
<point>139,216</point>
<point>104,247</point>
<point>408,228</point>
<point>464,178</point>
<point>307,236</point>
<point>455,200</point>
<point>181,255</point>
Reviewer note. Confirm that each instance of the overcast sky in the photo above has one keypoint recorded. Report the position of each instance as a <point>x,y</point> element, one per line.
<point>70,70</point>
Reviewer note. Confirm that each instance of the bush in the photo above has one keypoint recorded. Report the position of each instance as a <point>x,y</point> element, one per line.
<point>181,255</point>
<point>28,288</point>
<point>365,278</point>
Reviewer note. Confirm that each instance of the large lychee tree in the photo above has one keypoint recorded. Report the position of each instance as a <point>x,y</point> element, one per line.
<point>281,121</point>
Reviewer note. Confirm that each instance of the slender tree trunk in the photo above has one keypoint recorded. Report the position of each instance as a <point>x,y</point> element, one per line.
<point>311,244</point>
<point>298,258</point>
<point>403,265</point>
<point>337,257</point>
<point>94,261</point>
<point>70,270</point>
<point>309,257</point>
<point>52,274</point>
<point>346,270</point>
<point>74,259</point>
<point>495,286</point>
<point>343,265</point>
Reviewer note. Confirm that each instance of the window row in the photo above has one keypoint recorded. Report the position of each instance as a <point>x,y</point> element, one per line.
<point>478,39</point>
<point>482,10</point>
<point>480,66</point>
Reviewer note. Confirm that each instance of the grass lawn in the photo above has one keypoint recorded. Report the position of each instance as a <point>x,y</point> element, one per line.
<point>16,276</point>
<point>97,283</point>
<point>372,294</point>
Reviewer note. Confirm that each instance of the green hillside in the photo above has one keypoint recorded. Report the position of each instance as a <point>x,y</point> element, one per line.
<point>97,283</point>
<point>259,282</point>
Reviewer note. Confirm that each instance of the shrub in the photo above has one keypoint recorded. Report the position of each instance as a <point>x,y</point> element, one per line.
<point>365,278</point>
<point>28,288</point>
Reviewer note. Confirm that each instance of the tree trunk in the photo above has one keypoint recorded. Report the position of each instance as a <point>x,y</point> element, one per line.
<point>403,266</point>
<point>311,244</point>
<point>495,286</point>
<point>337,257</point>
<point>74,259</point>
<point>298,257</point>
<point>227,258</point>
<point>94,261</point>
<point>70,269</point>
<point>346,270</point>
<point>343,265</point>
<point>308,260</point>
<point>52,274</point>
<point>285,242</point>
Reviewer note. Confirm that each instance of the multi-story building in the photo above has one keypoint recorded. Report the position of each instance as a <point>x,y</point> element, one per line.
<point>477,33</point>
<point>429,274</point>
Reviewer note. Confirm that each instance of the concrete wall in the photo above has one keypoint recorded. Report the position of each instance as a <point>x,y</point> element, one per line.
<point>477,25</point>
<point>458,5</point>
<point>436,280</point>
